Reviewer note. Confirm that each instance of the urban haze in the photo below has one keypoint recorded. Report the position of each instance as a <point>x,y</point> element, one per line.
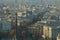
<point>29,19</point>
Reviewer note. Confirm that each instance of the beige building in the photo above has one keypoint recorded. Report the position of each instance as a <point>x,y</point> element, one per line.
<point>47,31</point>
<point>58,37</point>
<point>50,32</point>
<point>19,14</point>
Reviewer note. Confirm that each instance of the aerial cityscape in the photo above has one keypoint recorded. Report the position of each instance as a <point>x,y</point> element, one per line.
<point>29,19</point>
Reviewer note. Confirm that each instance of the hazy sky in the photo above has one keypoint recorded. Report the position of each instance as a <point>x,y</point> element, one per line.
<point>32,1</point>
